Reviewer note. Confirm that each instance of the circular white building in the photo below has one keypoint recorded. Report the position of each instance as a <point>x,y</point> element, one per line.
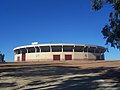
<point>58,52</point>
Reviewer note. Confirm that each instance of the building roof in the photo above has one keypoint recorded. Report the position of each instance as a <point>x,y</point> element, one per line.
<point>58,44</point>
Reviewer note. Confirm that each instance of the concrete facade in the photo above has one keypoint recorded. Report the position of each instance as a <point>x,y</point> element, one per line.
<point>61,52</point>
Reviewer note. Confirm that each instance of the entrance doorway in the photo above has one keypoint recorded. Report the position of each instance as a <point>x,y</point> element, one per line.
<point>68,57</point>
<point>56,57</point>
<point>23,56</point>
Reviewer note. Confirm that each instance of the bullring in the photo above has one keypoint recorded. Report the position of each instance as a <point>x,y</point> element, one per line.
<point>58,52</point>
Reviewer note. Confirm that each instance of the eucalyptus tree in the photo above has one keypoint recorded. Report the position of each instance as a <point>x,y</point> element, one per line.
<point>111,30</point>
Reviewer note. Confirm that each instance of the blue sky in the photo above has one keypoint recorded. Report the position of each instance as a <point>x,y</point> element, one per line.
<point>51,21</point>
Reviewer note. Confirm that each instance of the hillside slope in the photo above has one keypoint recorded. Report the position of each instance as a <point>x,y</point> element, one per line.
<point>70,75</point>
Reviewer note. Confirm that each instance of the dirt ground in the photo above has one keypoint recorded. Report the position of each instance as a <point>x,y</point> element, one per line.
<point>61,75</point>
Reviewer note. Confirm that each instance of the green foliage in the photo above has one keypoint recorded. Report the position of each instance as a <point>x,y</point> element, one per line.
<point>2,57</point>
<point>110,31</point>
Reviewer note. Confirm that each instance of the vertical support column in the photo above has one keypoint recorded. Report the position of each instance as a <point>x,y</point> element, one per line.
<point>35,49</point>
<point>51,54</point>
<point>50,48</point>
<point>39,48</point>
<point>83,49</point>
<point>74,48</point>
<point>27,50</point>
<point>73,55</point>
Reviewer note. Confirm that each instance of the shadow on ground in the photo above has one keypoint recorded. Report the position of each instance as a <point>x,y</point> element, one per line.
<point>46,77</point>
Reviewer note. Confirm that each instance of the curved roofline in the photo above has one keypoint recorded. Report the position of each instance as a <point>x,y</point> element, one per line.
<point>59,44</point>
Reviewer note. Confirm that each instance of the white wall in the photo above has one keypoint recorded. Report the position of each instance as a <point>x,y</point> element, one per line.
<point>49,56</point>
<point>16,56</point>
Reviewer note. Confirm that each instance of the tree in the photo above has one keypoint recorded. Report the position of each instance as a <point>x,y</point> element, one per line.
<point>2,57</point>
<point>110,31</point>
